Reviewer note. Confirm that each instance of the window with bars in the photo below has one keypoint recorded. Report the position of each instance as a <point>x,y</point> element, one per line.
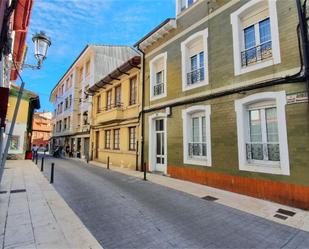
<point>197,143</point>
<point>257,43</point>
<point>116,139</point>
<point>263,140</point>
<point>107,138</point>
<point>132,100</point>
<point>132,138</point>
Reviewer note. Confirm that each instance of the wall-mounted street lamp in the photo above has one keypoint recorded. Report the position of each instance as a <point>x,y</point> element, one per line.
<point>41,45</point>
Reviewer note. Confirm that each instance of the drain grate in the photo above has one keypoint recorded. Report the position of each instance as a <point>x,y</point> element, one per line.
<point>209,198</point>
<point>279,216</point>
<point>17,191</point>
<point>3,192</point>
<point>286,212</point>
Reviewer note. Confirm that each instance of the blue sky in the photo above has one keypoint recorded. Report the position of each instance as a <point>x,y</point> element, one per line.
<point>72,24</point>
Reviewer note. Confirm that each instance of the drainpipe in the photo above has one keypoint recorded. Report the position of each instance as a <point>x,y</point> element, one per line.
<point>304,37</point>
<point>143,167</point>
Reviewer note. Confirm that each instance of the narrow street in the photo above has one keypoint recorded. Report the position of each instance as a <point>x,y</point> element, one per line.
<point>125,212</point>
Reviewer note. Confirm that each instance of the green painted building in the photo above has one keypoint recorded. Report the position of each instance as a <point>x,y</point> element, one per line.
<point>225,98</point>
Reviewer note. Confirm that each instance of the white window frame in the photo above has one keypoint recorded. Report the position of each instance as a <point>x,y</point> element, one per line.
<point>238,36</point>
<point>178,6</point>
<point>281,168</point>
<point>187,119</point>
<point>153,76</point>
<point>185,59</point>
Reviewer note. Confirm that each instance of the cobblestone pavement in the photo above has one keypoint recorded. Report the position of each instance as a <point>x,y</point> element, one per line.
<point>124,212</point>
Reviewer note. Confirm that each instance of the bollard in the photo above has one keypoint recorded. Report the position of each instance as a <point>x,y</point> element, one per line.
<point>108,162</point>
<point>42,164</point>
<point>145,172</point>
<point>87,158</point>
<point>136,159</point>
<point>36,158</point>
<point>52,173</point>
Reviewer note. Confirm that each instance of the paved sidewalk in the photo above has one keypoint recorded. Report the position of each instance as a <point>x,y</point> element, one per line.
<point>36,216</point>
<point>258,207</point>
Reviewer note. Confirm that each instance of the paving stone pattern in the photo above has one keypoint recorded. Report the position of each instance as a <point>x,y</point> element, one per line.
<point>125,212</point>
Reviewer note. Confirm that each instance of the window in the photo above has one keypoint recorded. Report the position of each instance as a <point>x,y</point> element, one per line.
<point>70,101</point>
<point>107,139</point>
<point>261,131</point>
<point>132,100</point>
<point>66,103</point>
<point>196,135</point>
<point>255,36</point>
<point>132,138</point>
<point>64,124</point>
<point>257,42</point>
<point>109,100</point>
<point>14,143</point>
<point>116,139</point>
<point>194,61</point>
<point>99,104</point>
<point>85,118</point>
<point>182,5</point>
<point>69,123</point>
<point>158,76</point>
<point>118,96</point>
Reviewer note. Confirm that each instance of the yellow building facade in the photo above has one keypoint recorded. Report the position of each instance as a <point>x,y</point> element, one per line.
<point>115,115</point>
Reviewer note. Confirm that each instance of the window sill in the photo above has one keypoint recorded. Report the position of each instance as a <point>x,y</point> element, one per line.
<point>195,85</point>
<point>269,168</point>
<point>195,161</point>
<point>153,98</point>
<point>256,66</point>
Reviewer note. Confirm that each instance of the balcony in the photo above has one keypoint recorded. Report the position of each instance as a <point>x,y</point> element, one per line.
<point>110,113</point>
<point>263,151</point>
<point>158,89</point>
<point>197,149</point>
<point>195,76</point>
<point>256,54</point>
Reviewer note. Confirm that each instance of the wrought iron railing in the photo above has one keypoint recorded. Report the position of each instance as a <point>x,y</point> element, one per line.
<point>158,89</point>
<point>197,149</point>
<point>195,76</point>
<point>256,54</point>
<point>263,151</point>
<point>112,106</point>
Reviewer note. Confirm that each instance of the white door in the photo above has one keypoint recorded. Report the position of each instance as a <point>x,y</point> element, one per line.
<point>160,150</point>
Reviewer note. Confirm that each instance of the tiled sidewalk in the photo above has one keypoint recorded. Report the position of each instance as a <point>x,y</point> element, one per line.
<point>37,216</point>
<point>258,207</point>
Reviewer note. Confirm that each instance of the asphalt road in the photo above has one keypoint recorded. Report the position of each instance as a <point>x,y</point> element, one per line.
<point>126,212</point>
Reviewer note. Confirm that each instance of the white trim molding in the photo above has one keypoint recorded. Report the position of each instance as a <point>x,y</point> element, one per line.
<point>184,59</point>
<point>237,28</point>
<point>153,76</point>
<point>152,144</point>
<point>241,107</point>
<point>186,119</point>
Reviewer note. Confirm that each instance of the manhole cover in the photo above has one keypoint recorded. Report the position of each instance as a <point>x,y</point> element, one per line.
<point>209,198</point>
<point>17,191</point>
